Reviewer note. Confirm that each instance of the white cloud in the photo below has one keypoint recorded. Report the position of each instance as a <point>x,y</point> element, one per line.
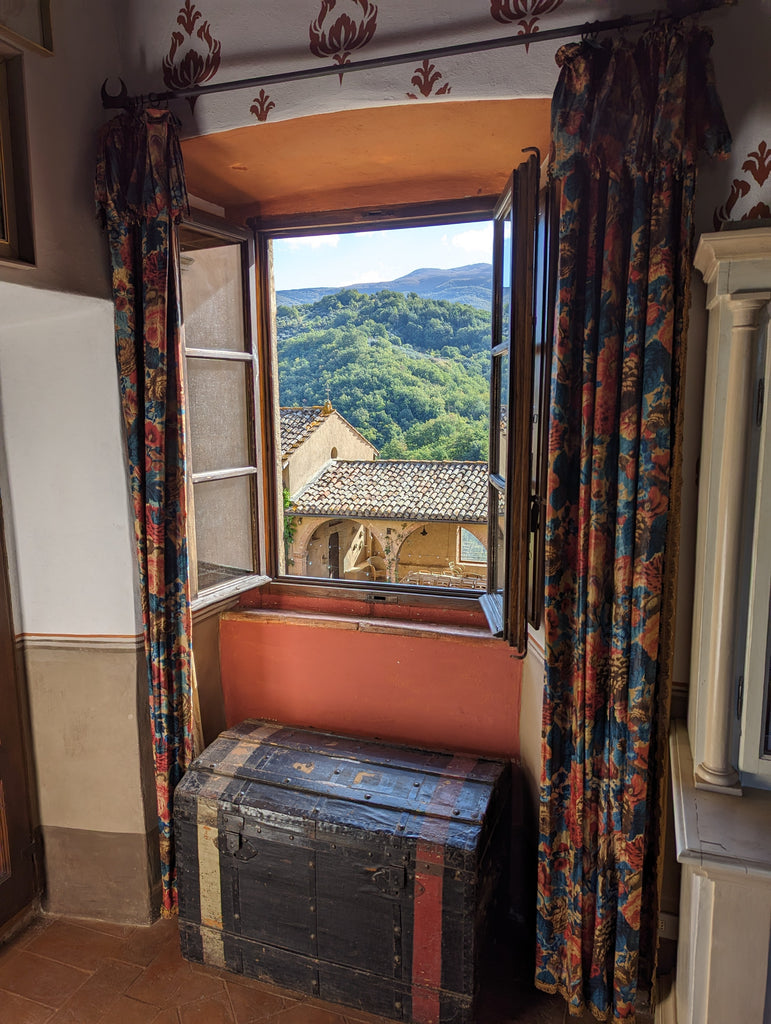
<point>312,241</point>
<point>479,240</point>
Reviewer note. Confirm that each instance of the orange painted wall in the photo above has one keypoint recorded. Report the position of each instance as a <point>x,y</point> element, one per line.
<point>401,153</point>
<point>357,676</point>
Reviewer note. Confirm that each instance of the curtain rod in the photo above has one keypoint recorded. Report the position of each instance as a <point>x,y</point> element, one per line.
<point>677,9</point>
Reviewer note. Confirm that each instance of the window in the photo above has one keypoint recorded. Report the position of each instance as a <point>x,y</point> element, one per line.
<point>15,217</point>
<point>221,377</point>
<point>245,480</point>
<point>522,304</point>
<point>470,548</point>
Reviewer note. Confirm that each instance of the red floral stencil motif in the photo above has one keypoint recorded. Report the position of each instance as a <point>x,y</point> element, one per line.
<point>758,166</point>
<point>200,61</point>
<point>262,106</point>
<point>341,27</point>
<point>525,12</point>
<point>424,78</point>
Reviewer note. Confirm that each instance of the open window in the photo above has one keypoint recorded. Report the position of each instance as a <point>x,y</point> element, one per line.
<point>226,517</point>
<point>278,475</point>
<point>523,260</point>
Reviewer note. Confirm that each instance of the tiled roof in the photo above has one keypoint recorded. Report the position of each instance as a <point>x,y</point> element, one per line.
<point>453,492</point>
<point>297,423</point>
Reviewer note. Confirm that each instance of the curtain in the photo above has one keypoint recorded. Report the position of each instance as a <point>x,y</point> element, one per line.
<point>140,195</point>
<point>628,119</point>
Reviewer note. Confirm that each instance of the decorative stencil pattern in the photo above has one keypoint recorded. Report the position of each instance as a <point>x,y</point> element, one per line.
<point>341,27</point>
<point>425,78</point>
<point>526,13</point>
<point>200,61</point>
<point>758,171</point>
<point>262,106</point>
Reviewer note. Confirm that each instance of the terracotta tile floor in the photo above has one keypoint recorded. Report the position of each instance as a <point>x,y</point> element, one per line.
<point>62,971</point>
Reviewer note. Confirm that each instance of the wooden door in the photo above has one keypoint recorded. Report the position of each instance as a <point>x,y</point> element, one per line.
<point>334,556</point>
<point>17,864</point>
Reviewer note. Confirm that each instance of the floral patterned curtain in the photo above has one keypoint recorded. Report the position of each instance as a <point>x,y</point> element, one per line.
<point>140,194</point>
<point>628,122</point>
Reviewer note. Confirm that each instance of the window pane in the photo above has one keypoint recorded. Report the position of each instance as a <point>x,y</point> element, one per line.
<point>471,548</point>
<point>500,561</point>
<point>212,296</point>
<point>503,368</point>
<point>223,530</point>
<point>219,437</point>
<point>384,393</point>
<point>506,257</point>
<point>497,535</point>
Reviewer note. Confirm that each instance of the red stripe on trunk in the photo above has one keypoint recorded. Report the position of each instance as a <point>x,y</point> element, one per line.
<point>427,926</point>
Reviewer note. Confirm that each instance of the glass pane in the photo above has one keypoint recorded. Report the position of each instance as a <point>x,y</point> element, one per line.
<point>212,296</point>
<point>499,542</point>
<point>506,280</point>
<point>503,366</point>
<point>223,530</point>
<point>217,397</point>
<point>472,549</point>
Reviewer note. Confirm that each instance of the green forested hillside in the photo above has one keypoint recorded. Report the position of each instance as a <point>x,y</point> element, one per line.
<point>411,374</point>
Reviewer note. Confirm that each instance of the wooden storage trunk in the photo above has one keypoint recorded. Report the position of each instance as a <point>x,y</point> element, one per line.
<point>350,870</point>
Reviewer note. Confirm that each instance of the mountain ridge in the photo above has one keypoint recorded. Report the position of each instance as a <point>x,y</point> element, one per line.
<point>471,284</point>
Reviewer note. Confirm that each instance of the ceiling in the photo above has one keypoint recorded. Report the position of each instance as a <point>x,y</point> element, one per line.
<point>408,153</point>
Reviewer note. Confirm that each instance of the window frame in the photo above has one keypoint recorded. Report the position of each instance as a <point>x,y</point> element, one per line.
<point>477,209</point>
<point>218,229</point>
<point>17,249</point>
<point>9,238</point>
<point>259,295</point>
<point>512,372</point>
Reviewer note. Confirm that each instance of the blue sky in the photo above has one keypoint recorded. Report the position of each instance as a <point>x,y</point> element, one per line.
<point>339,260</point>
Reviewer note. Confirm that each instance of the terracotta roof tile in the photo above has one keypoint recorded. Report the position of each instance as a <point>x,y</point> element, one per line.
<point>394,489</point>
<point>298,423</point>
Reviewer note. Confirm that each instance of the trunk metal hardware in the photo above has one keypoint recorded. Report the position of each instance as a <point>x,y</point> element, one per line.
<point>391,879</point>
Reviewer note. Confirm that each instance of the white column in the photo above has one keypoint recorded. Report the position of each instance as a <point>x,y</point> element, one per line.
<point>716,769</point>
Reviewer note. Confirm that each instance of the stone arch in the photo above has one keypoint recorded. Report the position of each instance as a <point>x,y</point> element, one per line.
<point>361,551</point>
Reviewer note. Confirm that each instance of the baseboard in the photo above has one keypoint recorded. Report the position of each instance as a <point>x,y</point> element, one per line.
<point>19,921</point>
<point>105,876</point>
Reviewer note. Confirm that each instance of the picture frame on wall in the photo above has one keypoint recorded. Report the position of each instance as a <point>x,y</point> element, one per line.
<point>27,24</point>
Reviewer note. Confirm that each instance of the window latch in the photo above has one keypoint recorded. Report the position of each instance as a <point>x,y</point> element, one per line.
<point>534,517</point>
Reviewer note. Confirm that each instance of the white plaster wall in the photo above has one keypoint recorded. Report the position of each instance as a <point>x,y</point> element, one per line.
<point>65,494</point>
<point>67,505</point>
<point>740,55</point>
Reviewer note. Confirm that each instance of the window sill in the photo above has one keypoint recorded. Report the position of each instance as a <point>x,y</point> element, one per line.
<point>364,624</point>
<point>390,607</point>
<point>227,591</point>
<point>715,832</point>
